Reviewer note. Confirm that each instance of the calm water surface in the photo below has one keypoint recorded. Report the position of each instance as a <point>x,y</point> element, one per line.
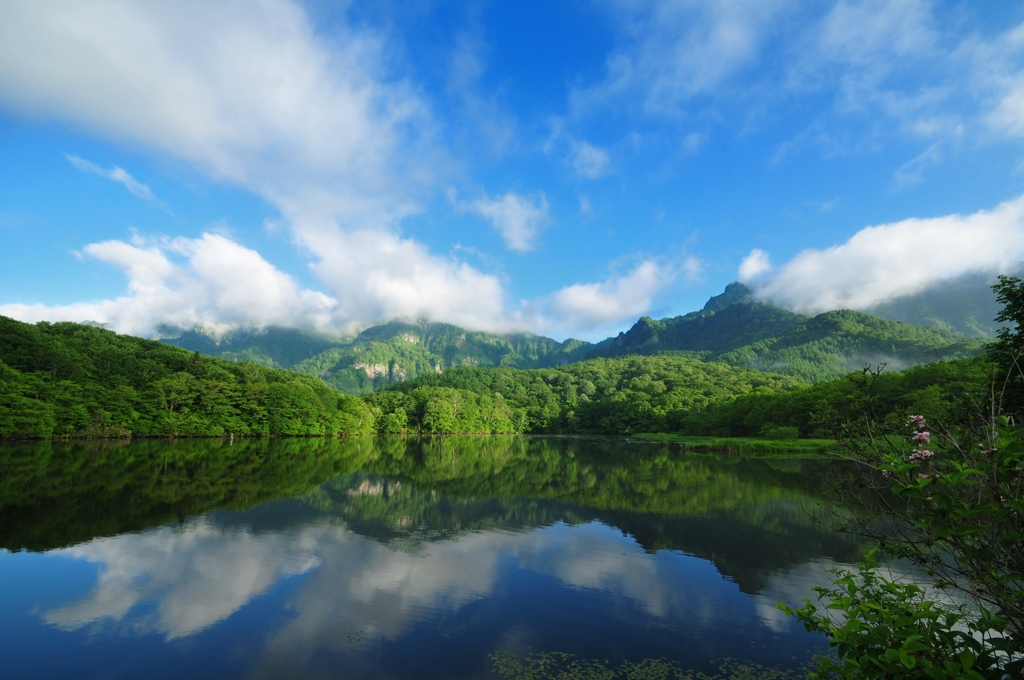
<point>399,558</point>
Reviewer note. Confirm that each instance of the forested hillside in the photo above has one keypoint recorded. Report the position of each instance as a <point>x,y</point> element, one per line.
<point>832,344</point>
<point>603,396</point>
<point>670,393</point>
<point>732,328</point>
<point>735,330</point>
<point>382,355</point>
<point>964,305</point>
<point>68,379</point>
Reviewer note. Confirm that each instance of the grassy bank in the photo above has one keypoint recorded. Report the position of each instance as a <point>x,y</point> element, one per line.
<point>742,444</point>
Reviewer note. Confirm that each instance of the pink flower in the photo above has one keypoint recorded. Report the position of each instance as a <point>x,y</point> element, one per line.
<point>921,454</point>
<point>916,422</point>
<point>925,475</point>
<point>922,437</point>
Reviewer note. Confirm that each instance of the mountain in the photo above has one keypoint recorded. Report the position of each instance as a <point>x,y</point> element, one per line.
<point>734,329</point>
<point>964,304</point>
<point>382,355</point>
<point>832,344</point>
<point>272,347</point>
<point>728,321</point>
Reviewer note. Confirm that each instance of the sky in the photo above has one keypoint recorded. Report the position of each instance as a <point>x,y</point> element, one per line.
<point>561,167</point>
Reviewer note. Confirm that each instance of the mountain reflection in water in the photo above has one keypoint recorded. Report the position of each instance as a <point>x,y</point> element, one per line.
<point>395,557</point>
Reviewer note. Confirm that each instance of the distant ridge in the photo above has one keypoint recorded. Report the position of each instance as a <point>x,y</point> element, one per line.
<point>731,328</point>
<point>727,321</point>
<point>734,329</point>
<point>385,354</point>
<point>964,305</point>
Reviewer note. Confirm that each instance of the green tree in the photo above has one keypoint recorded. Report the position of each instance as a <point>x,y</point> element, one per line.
<point>439,416</point>
<point>1007,352</point>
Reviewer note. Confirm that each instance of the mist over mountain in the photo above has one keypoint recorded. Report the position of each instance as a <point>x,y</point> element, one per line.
<point>732,328</point>
<point>965,305</point>
<point>735,329</point>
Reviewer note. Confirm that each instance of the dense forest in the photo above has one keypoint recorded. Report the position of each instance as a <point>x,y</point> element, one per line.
<point>604,396</point>
<point>380,355</point>
<point>670,393</point>
<point>767,338</point>
<point>66,379</point>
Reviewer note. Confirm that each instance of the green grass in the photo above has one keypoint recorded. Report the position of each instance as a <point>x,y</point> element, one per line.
<point>743,444</point>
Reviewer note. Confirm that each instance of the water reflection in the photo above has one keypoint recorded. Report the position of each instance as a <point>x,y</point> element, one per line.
<point>411,559</point>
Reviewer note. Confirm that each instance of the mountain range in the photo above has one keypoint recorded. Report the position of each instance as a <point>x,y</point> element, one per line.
<point>732,328</point>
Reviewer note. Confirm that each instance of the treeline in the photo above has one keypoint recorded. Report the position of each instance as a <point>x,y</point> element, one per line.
<point>945,390</point>
<point>68,379</point>
<point>600,396</point>
<point>670,393</point>
<point>74,380</point>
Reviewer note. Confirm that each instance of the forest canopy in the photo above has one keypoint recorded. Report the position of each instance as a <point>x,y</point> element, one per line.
<point>68,379</point>
<point>76,380</point>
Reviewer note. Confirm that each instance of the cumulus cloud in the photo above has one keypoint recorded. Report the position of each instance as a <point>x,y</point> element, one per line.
<point>116,174</point>
<point>754,265</point>
<point>217,283</point>
<point>319,126</point>
<point>517,218</point>
<point>379,276</point>
<point>883,262</point>
<point>248,93</point>
<point>619,298</point>
<point>211,281</point>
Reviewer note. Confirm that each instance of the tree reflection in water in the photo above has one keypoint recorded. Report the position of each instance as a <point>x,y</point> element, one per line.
<point>387,534</point>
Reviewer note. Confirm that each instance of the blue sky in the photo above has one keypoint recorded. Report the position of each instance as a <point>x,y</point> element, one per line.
<point>561,167</point>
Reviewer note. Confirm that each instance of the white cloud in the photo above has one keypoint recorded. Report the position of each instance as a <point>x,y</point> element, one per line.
<point>248,93</point>
<point>754,265</point>
<point>589,161</point>
<point>517,218</point>
<point>618,299</point>
<point>883,262</point>
<point>215,282</point>
<point>378,276</point>
<point>251,94</point>
<point>119,175</point>
<point>221,284</point>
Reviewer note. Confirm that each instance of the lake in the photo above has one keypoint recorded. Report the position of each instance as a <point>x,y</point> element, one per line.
<point>388,557</point>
